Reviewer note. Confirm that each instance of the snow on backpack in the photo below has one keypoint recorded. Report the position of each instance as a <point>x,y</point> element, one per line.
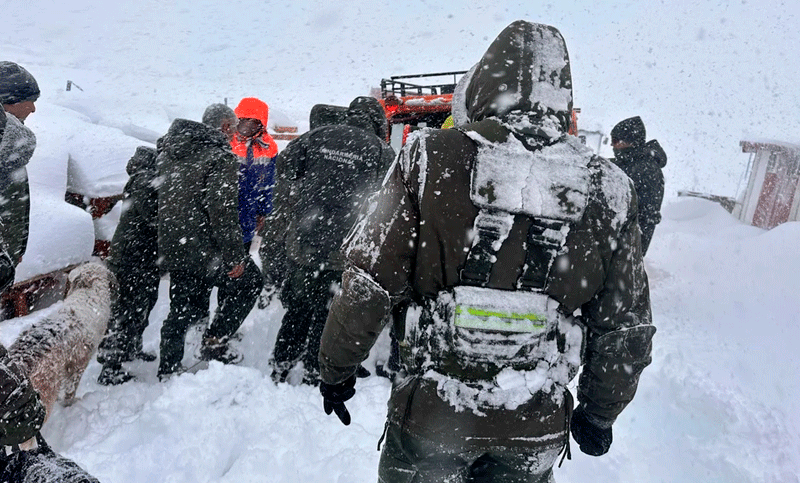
<point>471,332</point>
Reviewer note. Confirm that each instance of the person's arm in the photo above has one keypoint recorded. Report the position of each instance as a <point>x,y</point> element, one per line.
<point>380,253</point>
<point>620,331</point>
<point>21,411</point>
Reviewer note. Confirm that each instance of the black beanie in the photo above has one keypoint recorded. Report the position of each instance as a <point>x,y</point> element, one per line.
<point>630,130</point>
<point>16,84</point>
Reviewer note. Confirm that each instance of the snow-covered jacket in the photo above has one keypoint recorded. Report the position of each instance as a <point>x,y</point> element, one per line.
<point>16,150</point>
<point>415,237</point>
<point>256,167</point>
<point>135,240</point>
<point>198,225</point>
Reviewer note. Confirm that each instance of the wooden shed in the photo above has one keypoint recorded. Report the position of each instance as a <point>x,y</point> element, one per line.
<point>772,195</point>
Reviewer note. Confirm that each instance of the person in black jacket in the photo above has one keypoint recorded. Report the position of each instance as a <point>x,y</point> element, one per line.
<point>133,260</point>
<point>322,179</point>
<point>642,162</point>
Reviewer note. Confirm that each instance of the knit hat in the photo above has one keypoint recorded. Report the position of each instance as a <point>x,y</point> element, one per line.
<point>16,84</point>
<point>630,130</point>
<point>216,114</point>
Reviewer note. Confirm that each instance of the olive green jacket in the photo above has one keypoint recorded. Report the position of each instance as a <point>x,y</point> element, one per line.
<point>198,221</point>
<point>415,236</point>
<point>135,240</point>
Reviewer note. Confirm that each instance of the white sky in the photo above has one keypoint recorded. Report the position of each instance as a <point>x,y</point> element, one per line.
<point>702,74</point>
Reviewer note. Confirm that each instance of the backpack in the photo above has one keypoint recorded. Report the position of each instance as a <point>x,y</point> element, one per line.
<point>471,332</point>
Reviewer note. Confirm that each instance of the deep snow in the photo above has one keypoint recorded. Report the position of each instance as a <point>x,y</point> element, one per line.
<point>717,404</point>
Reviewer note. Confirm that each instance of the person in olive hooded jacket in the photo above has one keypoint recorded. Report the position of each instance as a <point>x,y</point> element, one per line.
<point>519,251</point>
<point>200,242</point>
<point>134,261</point>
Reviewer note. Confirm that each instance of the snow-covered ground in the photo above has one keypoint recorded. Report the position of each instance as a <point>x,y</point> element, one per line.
<point>718,403</point>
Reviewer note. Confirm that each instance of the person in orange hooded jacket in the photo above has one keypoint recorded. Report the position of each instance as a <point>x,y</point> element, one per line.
<point>257,151</point>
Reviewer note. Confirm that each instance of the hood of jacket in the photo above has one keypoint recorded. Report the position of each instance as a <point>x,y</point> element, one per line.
<point>523,81</point>
<point>143,159</point>
<point>366,113</point>
<point>630,130</point>
<point>656,152</point>
<point>264,145</point>
<point>326,115</point>
<point>184,138</point>
<point>253,108</point>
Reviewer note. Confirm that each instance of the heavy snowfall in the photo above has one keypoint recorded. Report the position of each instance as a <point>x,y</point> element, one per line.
<point>718,403</point>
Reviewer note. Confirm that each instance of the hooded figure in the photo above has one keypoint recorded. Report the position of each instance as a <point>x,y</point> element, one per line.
<point>325,115</point>
<point>256,151</point>
<point>200,242</point>
<point>323,178</point>
<point>518,251</point>
<point>643,163</point>
<point>134,261</point>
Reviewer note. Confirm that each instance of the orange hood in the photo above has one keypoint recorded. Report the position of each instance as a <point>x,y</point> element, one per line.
<point>265,146</point>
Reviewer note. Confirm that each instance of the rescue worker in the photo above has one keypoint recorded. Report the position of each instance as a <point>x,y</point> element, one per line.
<point>642,162</point>
<point>323,178</point>
<point>519,252</point>
<point>256,151</point>
<point>133,259</point>
<point>200,243</point>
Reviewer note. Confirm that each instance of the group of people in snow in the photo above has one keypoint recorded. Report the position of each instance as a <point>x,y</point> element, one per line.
<point>504,256</point>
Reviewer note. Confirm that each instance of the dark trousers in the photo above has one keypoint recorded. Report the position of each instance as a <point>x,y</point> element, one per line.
<point>137,295</point>
<point>406,458</point>
<point>306,295</point>
<point>188,303</point>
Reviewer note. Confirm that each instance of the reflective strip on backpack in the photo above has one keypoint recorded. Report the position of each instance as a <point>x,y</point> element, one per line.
<point>468,317</point>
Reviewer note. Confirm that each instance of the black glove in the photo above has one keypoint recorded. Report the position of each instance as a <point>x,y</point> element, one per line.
<point>21,411</point>
<point>334,396</point>
<point>593,440</point>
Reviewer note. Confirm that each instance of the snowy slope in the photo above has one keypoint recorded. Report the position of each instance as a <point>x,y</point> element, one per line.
<point>718,402</point>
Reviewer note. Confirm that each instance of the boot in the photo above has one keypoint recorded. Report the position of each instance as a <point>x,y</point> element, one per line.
<point>144,356</point>
<point>218,349</point>
<point>113,375</point>
<point>362,372</point>
<point>165,374</point>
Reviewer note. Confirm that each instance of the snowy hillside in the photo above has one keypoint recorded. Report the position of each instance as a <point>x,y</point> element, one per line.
<point>718,403</point>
